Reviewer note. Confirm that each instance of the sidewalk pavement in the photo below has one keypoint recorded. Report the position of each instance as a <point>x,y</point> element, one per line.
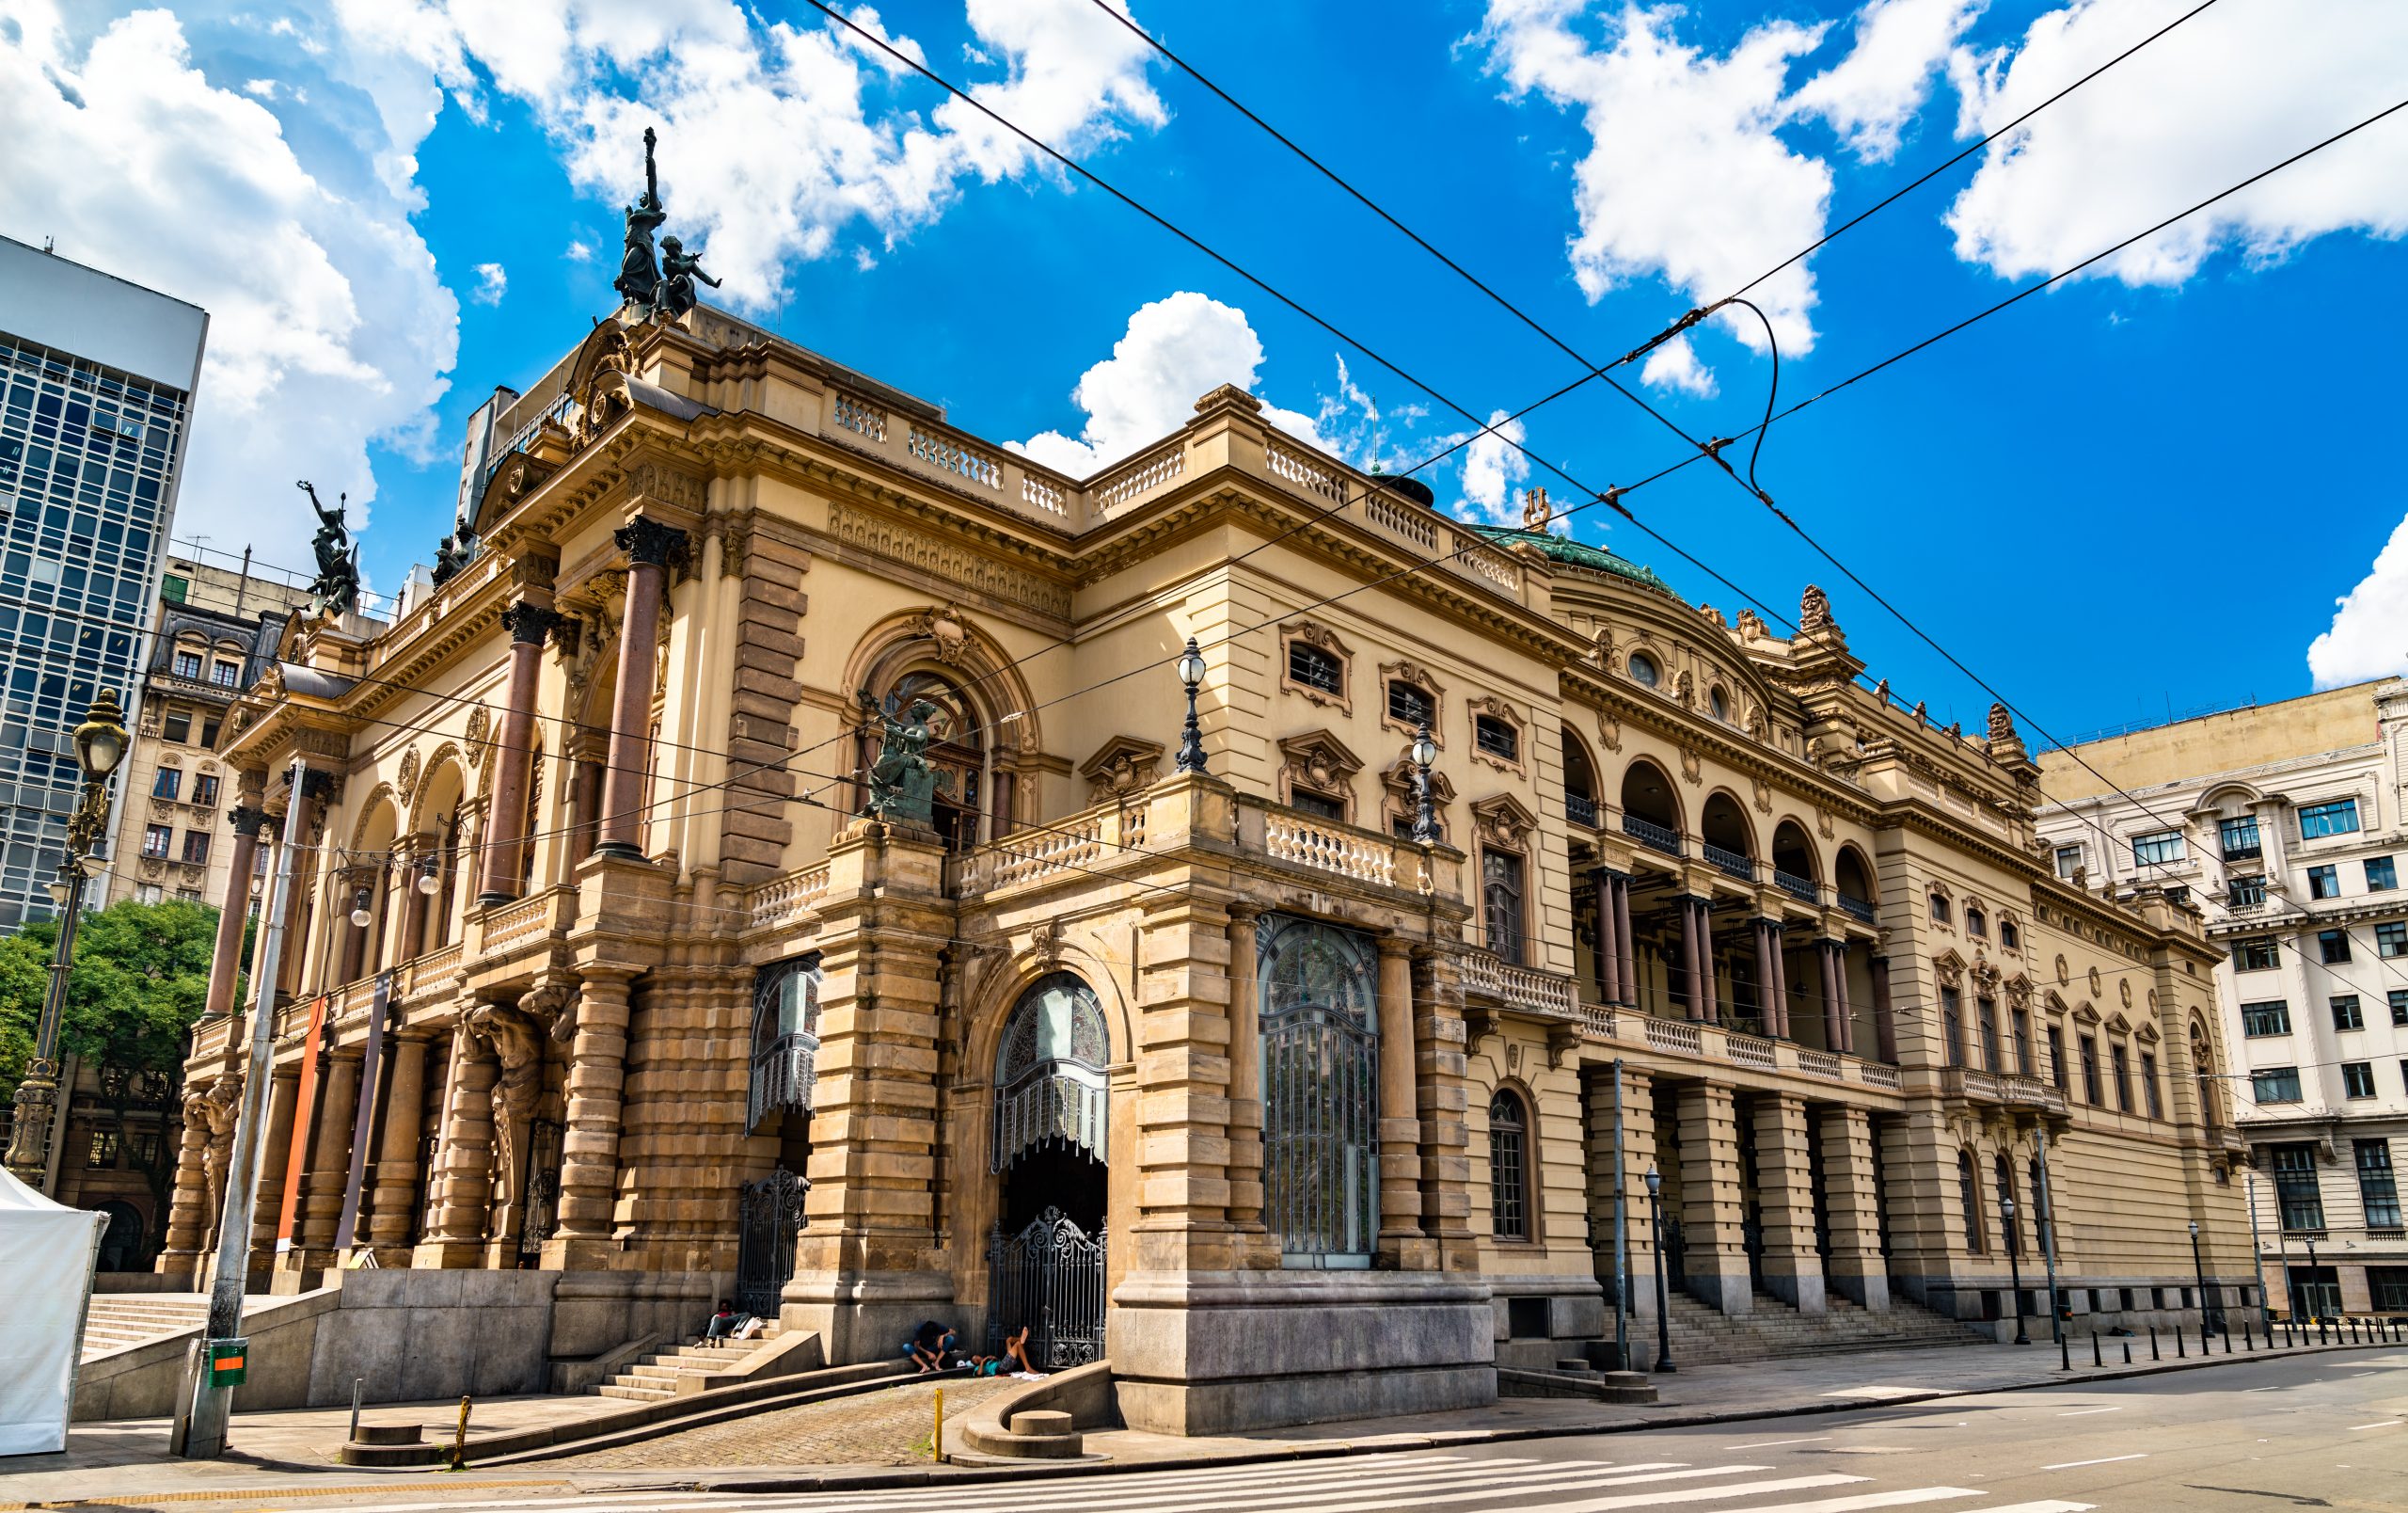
<point>873,1440</point>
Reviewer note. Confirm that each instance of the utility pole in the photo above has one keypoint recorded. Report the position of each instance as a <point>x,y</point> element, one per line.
<point>1622,1250</point>
<point>2049,1252</point>
<point>205,1437</point>
<point>2258,1262</point>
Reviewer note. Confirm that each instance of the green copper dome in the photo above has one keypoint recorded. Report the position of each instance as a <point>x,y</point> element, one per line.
<point>1575,554</point>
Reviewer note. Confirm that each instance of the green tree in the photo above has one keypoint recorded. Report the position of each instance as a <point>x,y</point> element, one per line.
<point>139,980</point>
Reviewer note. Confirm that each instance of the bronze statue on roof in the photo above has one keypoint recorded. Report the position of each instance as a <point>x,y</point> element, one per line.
<point>639,280</point>
<point>336,590</point>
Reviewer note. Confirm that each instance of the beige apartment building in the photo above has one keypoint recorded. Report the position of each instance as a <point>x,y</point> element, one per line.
<point>1288,1115</point>
<point>2286,821</point>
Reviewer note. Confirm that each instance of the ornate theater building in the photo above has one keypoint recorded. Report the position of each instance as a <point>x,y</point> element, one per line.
<point>772,863</point>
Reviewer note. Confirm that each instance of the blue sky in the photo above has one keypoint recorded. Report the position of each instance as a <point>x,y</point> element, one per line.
<point>2139,492</point>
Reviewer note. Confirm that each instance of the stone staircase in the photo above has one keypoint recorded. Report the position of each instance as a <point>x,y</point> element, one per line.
<point>1703,1336</point>
<point>690,1367</point>
<point>118,1320</point>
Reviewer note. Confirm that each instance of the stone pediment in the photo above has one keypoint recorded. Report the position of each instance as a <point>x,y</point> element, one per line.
<point>1950,967</point>
<point>1120,767</point>
<point>2053,1002</point>
<point>2147,1033</point>
<point>1504,821</point>
<point>1319,759</point>
<point>2084,1015</point>
<point>2118,1025</point>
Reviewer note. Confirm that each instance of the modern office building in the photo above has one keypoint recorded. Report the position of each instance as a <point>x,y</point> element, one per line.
<point>96,389</point>
<point>2286,821</point>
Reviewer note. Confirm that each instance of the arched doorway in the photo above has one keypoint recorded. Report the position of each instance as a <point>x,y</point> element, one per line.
<point>958,748</point>
<point>121,1242</point>
<point>1046,1257</point>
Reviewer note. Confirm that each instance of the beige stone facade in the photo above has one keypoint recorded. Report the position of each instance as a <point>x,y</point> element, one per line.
<point>1337,1106</point>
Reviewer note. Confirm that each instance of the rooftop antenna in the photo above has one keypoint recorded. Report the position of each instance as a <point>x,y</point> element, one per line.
<point>50,243</point>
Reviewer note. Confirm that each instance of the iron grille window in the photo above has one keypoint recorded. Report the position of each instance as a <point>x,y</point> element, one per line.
<point>2257,955</point>
<point>1411,704</point>
<point>2245,892</point>
<point>2337,817</point>
<point>1314,668</point>
<point>2381,877</point>
<point>2267,1017</point>
<point>785,1038</point>
<point>2378,1189</point>
<point>2240,838</point>
<point>1500,876</point>
<point>2333,946</point>
<point>2003,1175</point>
<point>1319,987</point>
<point>1319,806</point>
<point>2324,882</point>
<point>1508,1198</point>
<point>1497,738</point>
<point>2274,1084</point>
<point>2346,1014</point>
<point>1050,1084</point>
<point>2162,848</point>
<point>2358,1079</point>
<point>2295,1190</point>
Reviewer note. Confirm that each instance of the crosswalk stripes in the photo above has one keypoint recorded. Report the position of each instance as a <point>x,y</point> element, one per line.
<point>1352,1483</point>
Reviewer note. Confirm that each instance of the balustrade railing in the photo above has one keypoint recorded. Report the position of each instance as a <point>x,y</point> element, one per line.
<point>1857,908</point>
<point>1648,833</point>
<point>1402,521</point>
<point>1580,808</point>
<point>949,454</point>
<point>1290,837</point>
<point>1303,473</point>
<point>1730,863</point>
<point>1747,1050</point>
<point>432,970</point>
<point>1819,1064</point>
<point>1877,1074</point>
<point>1802,888</point>
<point>783,898</point>
<point>1520,987</point>
<point>1139,479</point>
<point>1675,1035</point>
<point>509,923</point>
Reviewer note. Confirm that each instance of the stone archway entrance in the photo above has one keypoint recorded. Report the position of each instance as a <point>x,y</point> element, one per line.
<point>1046,1254</point>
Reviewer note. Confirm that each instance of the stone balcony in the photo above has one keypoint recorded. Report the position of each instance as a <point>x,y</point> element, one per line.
<point>1719,1049</point>
<point>2002,1089</point>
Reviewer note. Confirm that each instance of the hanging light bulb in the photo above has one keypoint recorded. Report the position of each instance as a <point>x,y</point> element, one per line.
<point>359,915</point>
<point>426,883</point>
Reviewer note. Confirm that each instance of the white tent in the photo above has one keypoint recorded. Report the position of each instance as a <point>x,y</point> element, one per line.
<point>47,1254</point>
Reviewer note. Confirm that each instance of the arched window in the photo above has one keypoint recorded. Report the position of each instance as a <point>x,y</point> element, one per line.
<point>785,1038</point>
<point>1509,1149</point>
<point>1050,1084</point>
<point>1969,1191</point>
<point>1319,987</point>
<point>956,748</point>
<point>2012,1222</point>
<point>1500,898</point>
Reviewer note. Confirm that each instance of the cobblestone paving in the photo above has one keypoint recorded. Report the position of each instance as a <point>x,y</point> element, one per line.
<point>887,1427</point>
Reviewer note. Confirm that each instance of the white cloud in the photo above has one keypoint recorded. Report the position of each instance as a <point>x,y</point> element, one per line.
<point>1492,464</point>
<point>770,147</point>
<point>579,250</point>
<point>1674,365</point>
<point>1870,96</point>
<point>2369,635</point>
<point>328,325</point>
<point>493,281</point>
<point>259,88</point>
<point>2208,105</point>
<point>1177,349</point>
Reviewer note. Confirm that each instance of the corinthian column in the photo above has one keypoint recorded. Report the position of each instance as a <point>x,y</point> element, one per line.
<point>648,544</point>
<point>506,838</point>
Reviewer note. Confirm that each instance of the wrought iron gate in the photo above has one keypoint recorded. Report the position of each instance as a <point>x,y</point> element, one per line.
<point>539,1209</point>
<point>1050,1277</point>
<point>769,1217</point>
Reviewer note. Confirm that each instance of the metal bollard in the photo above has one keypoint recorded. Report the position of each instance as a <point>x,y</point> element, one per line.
<point>2152,1344</point>
<point>354,1409</point>
<point>2249,1337</point>
<point>2181,1351</point>
<point>2128,1352</point>
<point>2227,1339</point>
<point>460,1437</point>
<point>2094,1349</point>
<point>936,1441</point>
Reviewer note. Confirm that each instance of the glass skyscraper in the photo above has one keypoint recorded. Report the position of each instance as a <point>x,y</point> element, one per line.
<point>96,386</point>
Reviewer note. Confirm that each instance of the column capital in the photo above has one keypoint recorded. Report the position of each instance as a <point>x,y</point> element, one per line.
<point>248,820</point>
<point>647,542</point>
<point>1393,944</point>
<point>1244,912</point>
<point>528,622</point>
<point>316,786</point>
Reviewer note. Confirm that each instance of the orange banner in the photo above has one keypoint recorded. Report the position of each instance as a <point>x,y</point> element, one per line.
<point>305,1119</point>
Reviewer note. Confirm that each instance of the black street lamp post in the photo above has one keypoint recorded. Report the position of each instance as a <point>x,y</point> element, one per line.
<point>1663,1296</point>
<point>99,745</point>
<point>2199,1274</point>
<point>1425,818</point>
<point>1191,740</point>
<point>2015,1266</point>
<point>2308,1293</point>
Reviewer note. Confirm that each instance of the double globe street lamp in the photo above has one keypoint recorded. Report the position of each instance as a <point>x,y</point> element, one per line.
<point>99,745</point>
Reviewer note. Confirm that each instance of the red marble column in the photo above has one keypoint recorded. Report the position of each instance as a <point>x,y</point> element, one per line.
<point>529,622</point>
<point>233,911</point>
<point>648,545</point>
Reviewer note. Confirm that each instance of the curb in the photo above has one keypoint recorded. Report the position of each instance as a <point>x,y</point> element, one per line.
<point>936,1475</point>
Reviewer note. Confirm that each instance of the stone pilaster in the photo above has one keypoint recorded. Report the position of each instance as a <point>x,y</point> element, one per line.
<point>284,1098</point>
<point>868,1266</point>
<point>1442,1068</point>
<point>1245,1091</point>
<point>329,1163</point>
<point>1638,1155</point>
<point>590,1145</point>
<point>1400,1239</point>
<point>1715,1247</point>
<point>1785,1196</point>
<point>1854,1270</point>
<point>1184,1088</point>
<point>462,1209</point>
<point>397,1173</point>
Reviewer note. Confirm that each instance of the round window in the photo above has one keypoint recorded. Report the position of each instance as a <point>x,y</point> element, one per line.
<point>1644,669</point>
<point>1721,703</point>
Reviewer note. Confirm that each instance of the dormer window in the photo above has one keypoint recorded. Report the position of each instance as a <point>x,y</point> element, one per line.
<point>1497,738</point>
<point>188,664</point>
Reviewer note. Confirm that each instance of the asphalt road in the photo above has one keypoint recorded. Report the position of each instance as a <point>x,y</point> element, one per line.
<point>2324,1431</point>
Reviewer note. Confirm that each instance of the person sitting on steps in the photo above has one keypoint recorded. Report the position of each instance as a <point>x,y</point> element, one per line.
<point>725,1322</point>
<point>930,1346</point>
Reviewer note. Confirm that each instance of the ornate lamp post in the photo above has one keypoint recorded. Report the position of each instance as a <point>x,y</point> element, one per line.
<point>2015,1265</point>
<point>1425,819</point>
<point>2199,1272</point>
<point>99,745</point>
<point>1191,740</point>
<point>1663,1299</point>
